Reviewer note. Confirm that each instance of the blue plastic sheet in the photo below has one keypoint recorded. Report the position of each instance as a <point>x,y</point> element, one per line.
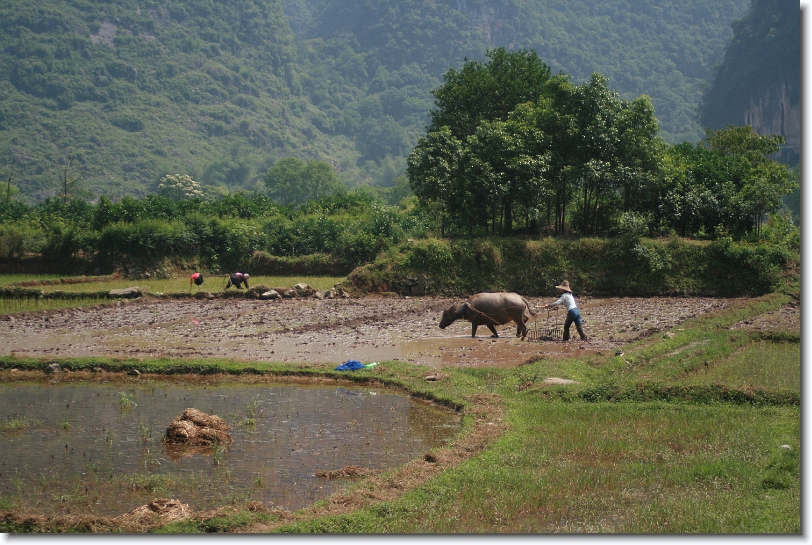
<point>350,365</point>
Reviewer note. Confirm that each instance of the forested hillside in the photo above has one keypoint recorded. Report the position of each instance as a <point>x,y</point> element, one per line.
<point>130,90</point>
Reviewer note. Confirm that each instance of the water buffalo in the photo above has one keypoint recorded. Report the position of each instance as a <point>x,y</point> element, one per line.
<point>490,309</point>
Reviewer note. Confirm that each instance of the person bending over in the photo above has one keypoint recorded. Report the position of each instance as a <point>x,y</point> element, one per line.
<point>237,279</point>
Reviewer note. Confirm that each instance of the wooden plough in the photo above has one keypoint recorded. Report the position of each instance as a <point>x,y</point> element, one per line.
<point>546,331</point>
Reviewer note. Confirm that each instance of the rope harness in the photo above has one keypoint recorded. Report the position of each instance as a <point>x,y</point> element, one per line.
<point>489,316</point>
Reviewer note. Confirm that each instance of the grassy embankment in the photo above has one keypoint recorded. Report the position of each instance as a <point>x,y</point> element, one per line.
<point>623,266</point>
<point>678,434</point>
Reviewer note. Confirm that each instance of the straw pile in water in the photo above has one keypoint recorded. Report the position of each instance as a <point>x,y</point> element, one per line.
<point>160,511</point>
<point>197,428</point>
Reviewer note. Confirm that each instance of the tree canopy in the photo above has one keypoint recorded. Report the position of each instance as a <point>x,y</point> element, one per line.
<point>533,144</point>
<point>292,181</point>
<point>562,157</point>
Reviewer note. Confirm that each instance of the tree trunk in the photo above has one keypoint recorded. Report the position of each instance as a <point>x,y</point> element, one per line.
<point>508,217</point>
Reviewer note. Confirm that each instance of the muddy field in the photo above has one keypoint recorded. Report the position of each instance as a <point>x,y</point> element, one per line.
<point>335,330</point>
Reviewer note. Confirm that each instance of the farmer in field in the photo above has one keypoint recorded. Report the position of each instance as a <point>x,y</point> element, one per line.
<point>236,279</point>
<point>196,279</point>
<point>573,314</point>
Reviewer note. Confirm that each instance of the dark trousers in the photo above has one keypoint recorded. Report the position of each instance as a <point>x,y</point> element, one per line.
<point>574,316</point>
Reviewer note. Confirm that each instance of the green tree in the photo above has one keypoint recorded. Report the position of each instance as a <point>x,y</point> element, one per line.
<point>8,189</point>
<point>487,91</point>
<point>508,162</point>
<point>433,170</point>
<point>291,181</point>
<point>743,142</point>
<point>284,180</point>
<point>695,190</point>
<point>606,148</point>
<point>764,181</point>
<point>466,165</point>
<point>766,184</point>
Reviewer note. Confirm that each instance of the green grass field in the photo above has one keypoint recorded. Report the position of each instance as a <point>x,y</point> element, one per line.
<point>173,285</point>
<point>48,284</point>
<point>611,468</point>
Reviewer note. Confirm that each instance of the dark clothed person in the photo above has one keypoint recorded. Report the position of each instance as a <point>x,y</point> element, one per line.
<point>236,279</point>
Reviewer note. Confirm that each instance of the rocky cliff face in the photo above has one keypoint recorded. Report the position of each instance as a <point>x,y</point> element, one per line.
<point>492,19</point>
<point>777,112</point>
<point>758,82</point>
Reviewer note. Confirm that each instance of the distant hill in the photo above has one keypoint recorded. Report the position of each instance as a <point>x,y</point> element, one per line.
<point>134,89</point>
<point>758,82</point>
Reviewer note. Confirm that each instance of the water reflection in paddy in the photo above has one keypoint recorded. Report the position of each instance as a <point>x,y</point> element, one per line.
<point>96,447</point>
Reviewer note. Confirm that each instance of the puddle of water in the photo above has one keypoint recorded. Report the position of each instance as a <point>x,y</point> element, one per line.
<point>96,447</point>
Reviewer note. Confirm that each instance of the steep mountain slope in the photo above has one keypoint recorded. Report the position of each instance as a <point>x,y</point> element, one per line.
<point>759,80</point>
<point>133,89</point>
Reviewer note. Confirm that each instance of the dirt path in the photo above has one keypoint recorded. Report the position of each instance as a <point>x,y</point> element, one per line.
<point>331,330</point>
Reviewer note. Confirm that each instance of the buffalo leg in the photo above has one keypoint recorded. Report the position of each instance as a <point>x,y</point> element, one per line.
<point>493,330</point>
<point>474,325</point>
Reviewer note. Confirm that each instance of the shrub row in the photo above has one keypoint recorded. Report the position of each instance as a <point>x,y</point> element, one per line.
<point>641,267</point>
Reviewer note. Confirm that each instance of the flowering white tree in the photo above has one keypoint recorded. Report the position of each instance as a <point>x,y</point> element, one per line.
<point>178,187</point>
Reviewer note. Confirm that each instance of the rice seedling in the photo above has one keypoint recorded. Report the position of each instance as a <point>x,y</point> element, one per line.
<point>251,408</point>
<point>126,401</point>
<point>145,431</point>
<point>14,423</point>
<point>153,482</point>
<point>149,459</point>
<point>17,480</point>
<point>6,279</point>
<point>17,305</point>
<point>218,456</point>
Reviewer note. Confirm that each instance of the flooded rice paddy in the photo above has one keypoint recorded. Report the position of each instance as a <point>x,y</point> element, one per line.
<point>95,447</point>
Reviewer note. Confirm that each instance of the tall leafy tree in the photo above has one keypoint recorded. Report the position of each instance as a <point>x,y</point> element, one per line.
<point>471,108</point>
<point>729,182</point>
<point>508,163</point>
<point>487,91</point>
<point>433,169</point>
<point>697,193</point>
<point>292,181</point>
<point>601,146</point>
<point>764,181</point>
